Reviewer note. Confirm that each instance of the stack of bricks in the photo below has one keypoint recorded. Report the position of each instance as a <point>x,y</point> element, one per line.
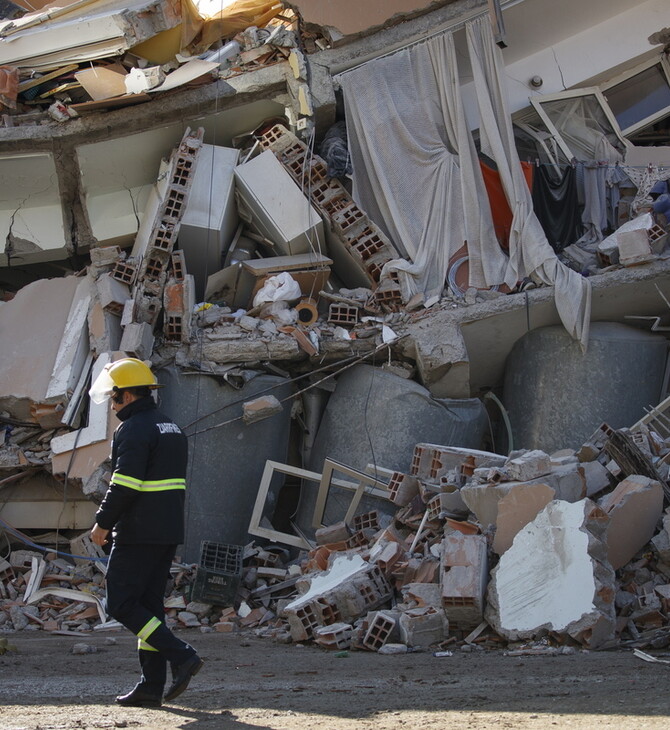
<point>158,259</point>
<point>369,247</point>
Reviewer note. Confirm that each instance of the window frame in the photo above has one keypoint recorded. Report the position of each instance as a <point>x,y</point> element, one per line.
<point>537,101</point>
<point>625,75</point>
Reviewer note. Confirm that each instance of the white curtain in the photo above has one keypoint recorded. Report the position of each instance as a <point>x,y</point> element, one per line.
<point>530,252</point>
<point>416,171</point>
<point>417,175</point>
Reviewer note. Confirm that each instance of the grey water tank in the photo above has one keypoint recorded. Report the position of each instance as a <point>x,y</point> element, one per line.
<point>557,396</point>
<point>375,417</point>
<point>225,463</point>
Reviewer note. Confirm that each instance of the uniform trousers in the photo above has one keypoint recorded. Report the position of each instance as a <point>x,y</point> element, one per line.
<point>136,579</point>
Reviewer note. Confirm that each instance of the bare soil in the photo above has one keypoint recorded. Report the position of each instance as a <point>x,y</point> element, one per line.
<point>249,683</point>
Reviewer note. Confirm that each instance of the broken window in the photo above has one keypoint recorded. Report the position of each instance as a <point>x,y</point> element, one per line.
<point>640,96</point>
<point>582,124</point>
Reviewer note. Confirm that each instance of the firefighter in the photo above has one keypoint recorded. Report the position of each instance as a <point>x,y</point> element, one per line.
<point>143,510</point>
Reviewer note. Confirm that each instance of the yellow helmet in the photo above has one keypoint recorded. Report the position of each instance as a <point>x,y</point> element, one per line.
<point>129,372</point>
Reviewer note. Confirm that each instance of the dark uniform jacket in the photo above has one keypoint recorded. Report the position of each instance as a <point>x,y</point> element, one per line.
<point>145,499</point>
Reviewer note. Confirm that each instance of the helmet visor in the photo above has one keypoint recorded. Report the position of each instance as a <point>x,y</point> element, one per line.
<point>103,387</point>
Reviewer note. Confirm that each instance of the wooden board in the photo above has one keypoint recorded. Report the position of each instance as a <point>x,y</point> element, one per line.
<point>103,82</point>
<point>38,80</point>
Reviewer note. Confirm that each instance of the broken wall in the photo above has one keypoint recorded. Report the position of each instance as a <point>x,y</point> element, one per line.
<point>30,212</point>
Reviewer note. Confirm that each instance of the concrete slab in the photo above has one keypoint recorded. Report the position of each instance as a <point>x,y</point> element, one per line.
<point>556,577</point>
<point>31,331</point>
<point>516,509</point>
<point>634,509</point>
<point>483,500</point>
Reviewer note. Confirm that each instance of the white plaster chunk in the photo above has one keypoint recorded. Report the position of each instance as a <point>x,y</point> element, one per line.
<point>634,509</point>
<point>343,569</point>
<point>552,578</point>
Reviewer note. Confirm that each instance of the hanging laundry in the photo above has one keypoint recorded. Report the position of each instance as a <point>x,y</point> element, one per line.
<point>500,210</point>
<point>593,176</point>
<point>555,204</point>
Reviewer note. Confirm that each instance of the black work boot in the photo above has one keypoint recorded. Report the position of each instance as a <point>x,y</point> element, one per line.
<point>139,697</point>
<point>182,675</point>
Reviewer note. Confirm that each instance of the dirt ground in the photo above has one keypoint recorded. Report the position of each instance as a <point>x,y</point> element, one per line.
<point>249,683</point>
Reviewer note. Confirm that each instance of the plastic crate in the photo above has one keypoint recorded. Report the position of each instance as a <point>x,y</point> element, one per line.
<point>218,575</point>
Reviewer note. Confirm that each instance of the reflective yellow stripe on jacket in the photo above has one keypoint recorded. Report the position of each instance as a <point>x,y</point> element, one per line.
<point>161,485</point>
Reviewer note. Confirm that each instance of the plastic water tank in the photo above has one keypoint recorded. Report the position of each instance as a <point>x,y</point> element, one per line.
<point>557,396</point>
<point>226,462</point>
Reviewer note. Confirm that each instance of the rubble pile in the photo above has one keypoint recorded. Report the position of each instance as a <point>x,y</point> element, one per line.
<point>55,78</point>
<point>543,552</point>
<point>25,446</point>
<point>420,578</point>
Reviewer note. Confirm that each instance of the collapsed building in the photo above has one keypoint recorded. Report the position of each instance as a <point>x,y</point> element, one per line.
<point>402,274</point>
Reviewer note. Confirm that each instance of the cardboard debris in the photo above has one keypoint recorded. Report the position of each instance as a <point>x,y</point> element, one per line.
<point>103,82</point>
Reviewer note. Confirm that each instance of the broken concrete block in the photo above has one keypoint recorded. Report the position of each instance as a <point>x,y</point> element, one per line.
<point>249,324</point>
<point>528,465</point>
<point>18,618</point>
<point>634,508</point>
<point>423,626</point>
<point>556,577</point>
<point>336,636</point>
<point>634,247</point>
<point>567,482</point>
<point>104,255</point>
<point>564,457</point>
<point>188,619</point>
<point>423,594</point>
<point>179,301</point>
<point>430,461</point>
<point>339,532</point>
<point>402,488</point>
<point>138,340</point>
<point>381,629</point>
<point>348,588</point>
<point>387,556</point>
<point>463,578</point>
<point>662,540</point>
<point>516,509</point>
<point>597,477</point>
<point>260,408</point>
<point>112,294</point>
